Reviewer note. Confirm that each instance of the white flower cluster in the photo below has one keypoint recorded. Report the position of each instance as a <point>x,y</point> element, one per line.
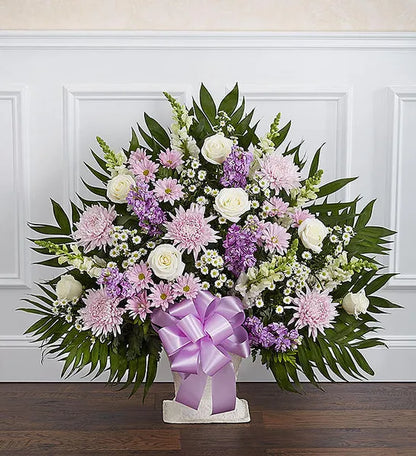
<point>191,177</point>
<point>340,236</point>
<point>121,239</point>
<point>211,265</point>
<point>224,123</point>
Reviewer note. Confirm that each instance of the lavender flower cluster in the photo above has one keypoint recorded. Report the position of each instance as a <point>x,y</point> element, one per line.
<point>236,168</point>
<point>274,335</point>
<point>240,245</point>
<point>145,206</point>
<point>116,284</point>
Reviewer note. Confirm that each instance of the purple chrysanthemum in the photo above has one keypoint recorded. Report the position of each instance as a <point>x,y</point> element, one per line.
<point>236,167</point>
<point>240,245</point>
<point>145,206</point>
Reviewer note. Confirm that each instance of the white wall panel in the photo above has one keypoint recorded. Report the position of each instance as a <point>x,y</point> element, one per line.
<point>315,113</point>
<point>403,167</point>
<point>108,111</point>
<point>355,92</point>
<point>14,260</point>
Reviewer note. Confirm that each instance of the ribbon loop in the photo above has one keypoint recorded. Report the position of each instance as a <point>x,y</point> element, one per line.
<point>199,335</point>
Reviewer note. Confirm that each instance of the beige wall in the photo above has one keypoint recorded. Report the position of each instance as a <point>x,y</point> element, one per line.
<point>274,15</point>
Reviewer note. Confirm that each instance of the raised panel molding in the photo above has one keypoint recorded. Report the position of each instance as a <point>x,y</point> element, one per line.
<point>74,95</point>
<point>343,99</point>
<point>399,96</point>
<point>205,40</point>
<point>18,97</point>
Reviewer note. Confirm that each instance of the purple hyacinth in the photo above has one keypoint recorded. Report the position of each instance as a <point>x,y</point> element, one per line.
<point>236,168</point>
<point>116,284</point>
<point>274,335</point>
<point>145,206</point>
<point>240,246</point>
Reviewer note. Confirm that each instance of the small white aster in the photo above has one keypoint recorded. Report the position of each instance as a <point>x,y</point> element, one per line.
<point>137,240</point>
<point>287,300</point>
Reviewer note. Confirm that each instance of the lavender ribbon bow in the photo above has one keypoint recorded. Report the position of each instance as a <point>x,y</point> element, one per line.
<point>198,336</point>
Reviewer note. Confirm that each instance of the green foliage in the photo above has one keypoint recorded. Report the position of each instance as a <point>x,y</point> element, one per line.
<point>207,117</point>
<point>131,358</point>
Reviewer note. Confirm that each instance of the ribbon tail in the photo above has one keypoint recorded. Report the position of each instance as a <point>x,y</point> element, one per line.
<point>191,389</point>
<point>224,390</point>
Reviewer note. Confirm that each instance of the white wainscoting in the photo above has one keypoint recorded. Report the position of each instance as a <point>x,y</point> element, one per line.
<point>355,92</point>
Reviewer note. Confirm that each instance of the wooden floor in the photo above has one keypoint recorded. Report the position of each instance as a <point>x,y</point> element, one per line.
<point>52,419</point>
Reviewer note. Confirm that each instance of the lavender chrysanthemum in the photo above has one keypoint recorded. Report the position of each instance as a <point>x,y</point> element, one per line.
<point>240,245</point>
<point>101,313</point>
<point>94,227</point>
<point>145,206</point>
<point>236,168</point>
<point>190,230</point>
<point>314,309</point>
<point>279,171</point>
<point>274,335</point>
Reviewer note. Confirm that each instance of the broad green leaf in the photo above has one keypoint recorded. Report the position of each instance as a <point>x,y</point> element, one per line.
<point>229,102</point>
<point>315,162</point>
<point>282,134</point>
<point>157,131</point>
<point>61,218</point>
<point>103,178</point>
<point>365,215</point>
<point>134,141</point>
<point>378,283</point>
<point>334,186</point>
<point>237,116</point>
<point>207,104</point>
<point>95,190</point>
<point>46,229</point>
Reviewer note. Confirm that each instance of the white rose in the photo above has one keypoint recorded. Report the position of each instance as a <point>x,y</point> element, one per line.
<point>312,232</point>
<point>68,288</point>
<point>166,262</point>
<point>216,148</point>
<point>355,303</point>
<point>118,187</point>
<point>231,203</point>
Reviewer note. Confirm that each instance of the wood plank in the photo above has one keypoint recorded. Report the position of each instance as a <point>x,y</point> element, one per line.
<point>139,439</point>
<point>343,419</point>
<point>332,452</point>
<point>90,419</point>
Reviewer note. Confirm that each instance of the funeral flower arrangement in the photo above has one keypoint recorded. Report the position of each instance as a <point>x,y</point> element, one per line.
<point>208,215</point>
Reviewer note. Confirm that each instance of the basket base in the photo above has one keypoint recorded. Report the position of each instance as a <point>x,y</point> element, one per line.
<point>177,413</point>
